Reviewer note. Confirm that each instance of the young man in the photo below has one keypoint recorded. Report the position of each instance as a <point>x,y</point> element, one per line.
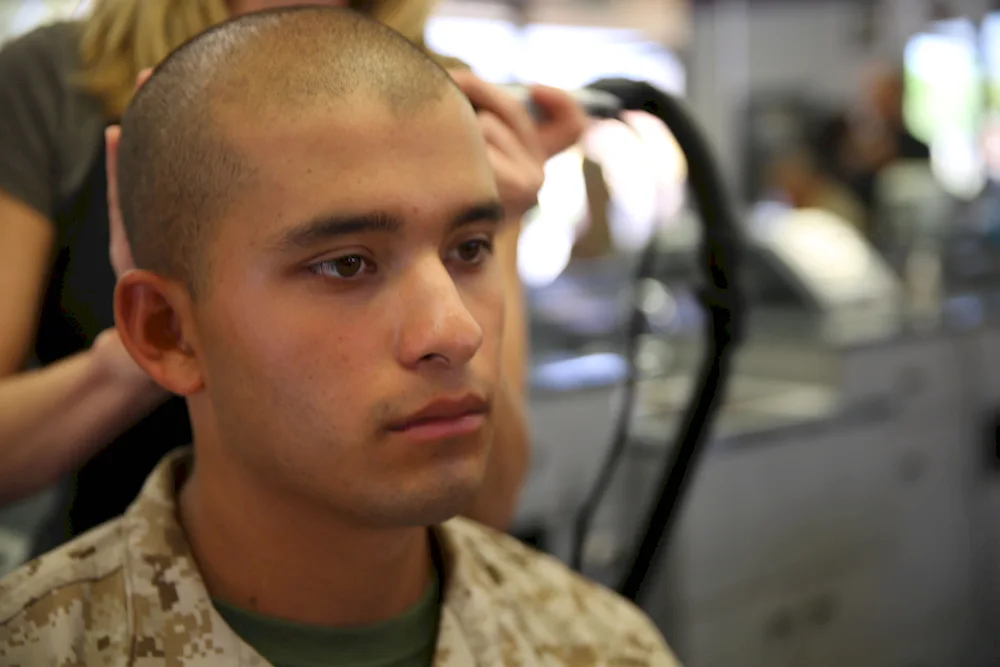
<point>313,240</point>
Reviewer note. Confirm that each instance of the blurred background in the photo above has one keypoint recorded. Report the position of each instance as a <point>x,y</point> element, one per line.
<point>847,509</point>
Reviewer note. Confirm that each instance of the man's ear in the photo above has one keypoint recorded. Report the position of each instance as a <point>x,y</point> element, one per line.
<point>154,321</point>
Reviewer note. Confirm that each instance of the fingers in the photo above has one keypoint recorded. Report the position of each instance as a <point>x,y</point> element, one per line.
<point>519,174</point>
<point>564,119</point>
<point>112,136</point>
<point>500,135</point>
<point>488,97</point>
<point>119,250</point>
<point>518,165</point>
<point>143,77</point>
<point>518,187</point>
<point>517,146</point>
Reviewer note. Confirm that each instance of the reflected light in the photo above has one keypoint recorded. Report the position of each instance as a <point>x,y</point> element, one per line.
<point>573,56</point>
<point>488,46</point>
<point>562,56</point>
<point>546,244</point>
<point>645,172</point>
<point>592,369</point>
<point>28,17</point>
<point>565,190</point>
<point>824,245</point>
<point>30,14</point>
<point>543,253</point>
<point>654,296</point>
<point>631,181</point>
<point>943,85</point>
<point>958,165</point>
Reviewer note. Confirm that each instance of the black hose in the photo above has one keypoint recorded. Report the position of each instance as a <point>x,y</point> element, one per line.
<point>619,441</point>
<point>721,252</point>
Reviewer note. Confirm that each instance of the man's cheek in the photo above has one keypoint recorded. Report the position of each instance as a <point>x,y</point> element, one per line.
<point>493,334</point>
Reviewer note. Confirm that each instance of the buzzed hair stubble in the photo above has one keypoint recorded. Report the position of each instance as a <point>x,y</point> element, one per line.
<point>178,168</point>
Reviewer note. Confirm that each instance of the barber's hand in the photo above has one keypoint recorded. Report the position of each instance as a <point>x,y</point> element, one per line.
<point>113,359</point>
<point>119,249</point>
<point>517,146</point>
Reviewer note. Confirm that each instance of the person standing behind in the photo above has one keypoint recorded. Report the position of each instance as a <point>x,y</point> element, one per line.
<point>878,136</point>
<point>89,405</point>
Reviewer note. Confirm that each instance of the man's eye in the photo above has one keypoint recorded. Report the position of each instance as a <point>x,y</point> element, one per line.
<point>474,251</point>
<point>348,266</point>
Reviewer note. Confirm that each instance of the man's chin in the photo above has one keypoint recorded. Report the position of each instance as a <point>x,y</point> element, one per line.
<point>429,506</point>
<point>437,510</point>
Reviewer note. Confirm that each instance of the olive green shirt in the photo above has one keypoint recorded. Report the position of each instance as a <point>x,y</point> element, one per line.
<point>405,641</point>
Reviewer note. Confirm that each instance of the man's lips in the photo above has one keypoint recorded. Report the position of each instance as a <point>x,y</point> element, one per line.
<point>445,418</point>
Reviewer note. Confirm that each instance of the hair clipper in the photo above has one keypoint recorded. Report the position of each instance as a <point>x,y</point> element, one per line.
<point>596,103</point>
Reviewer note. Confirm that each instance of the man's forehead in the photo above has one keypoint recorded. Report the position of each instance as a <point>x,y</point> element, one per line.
<point>400,186</point>
<point>351,158</point>
<point>350,134</point>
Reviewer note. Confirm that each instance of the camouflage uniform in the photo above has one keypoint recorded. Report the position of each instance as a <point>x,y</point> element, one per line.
<point>129,593</point>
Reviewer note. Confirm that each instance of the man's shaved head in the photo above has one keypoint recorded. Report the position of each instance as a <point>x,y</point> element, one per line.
<point>180,164</point>
<point>314,203</point>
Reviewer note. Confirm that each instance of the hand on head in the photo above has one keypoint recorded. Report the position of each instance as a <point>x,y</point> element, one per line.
<point>517,146</point>
<point>565,120</point>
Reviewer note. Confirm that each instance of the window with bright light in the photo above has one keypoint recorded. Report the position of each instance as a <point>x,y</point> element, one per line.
<point>488,46</point>
<point>990,46</point>
<point>18,17</point>
<point>943,85</point>
<point>945,102</point>
<point>561,56</point>
<point>574,56</point>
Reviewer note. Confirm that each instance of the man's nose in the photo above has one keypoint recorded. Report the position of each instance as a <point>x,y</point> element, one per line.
<point>435,325</point>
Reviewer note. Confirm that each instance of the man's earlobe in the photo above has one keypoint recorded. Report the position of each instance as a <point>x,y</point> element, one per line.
<point>149,314</point>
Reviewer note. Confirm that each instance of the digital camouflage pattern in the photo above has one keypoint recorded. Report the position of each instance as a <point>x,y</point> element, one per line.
<point>129,593</point>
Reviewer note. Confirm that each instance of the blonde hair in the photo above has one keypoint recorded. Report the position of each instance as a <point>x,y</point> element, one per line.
<point>123,37</point>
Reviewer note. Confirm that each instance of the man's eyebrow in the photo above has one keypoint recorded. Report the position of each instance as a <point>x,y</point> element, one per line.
<point>324,228</point>
<point>328,227</point>
<point>487,211</point>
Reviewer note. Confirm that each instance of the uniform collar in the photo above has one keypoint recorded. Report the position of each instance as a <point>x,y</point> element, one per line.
<point>171,612</point>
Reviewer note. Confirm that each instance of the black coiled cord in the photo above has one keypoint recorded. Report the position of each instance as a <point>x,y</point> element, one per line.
<point>720,254</point>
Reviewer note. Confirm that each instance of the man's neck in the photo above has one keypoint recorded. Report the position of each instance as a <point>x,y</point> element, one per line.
<point>294,563</point>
